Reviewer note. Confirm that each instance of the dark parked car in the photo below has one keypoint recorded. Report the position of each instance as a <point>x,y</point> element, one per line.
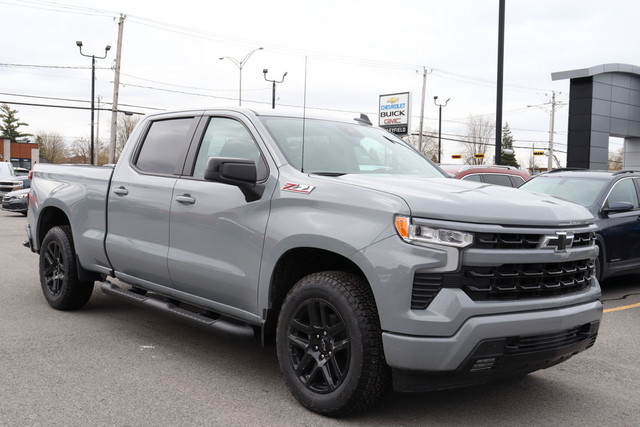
<point>490,174</point>
<point>612,197</point>
<point>16,201</point>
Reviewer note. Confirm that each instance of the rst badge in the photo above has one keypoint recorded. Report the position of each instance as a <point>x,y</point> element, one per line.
<point>298,188</point>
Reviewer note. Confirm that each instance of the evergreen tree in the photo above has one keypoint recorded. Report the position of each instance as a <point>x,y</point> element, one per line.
<point>10,123</point>
<point>507,143</point>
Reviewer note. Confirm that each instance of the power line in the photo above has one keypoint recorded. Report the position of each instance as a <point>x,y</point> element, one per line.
<point>75,100</point>
<point>67,67</point>
<point>57,7</point>
<point>69,107</point>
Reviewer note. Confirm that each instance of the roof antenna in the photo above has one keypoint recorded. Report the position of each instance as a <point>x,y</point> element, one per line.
<point>304,112</point>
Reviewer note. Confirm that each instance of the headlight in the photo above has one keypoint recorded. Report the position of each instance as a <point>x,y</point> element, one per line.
<point>439,236</point>
<point>21,196</point>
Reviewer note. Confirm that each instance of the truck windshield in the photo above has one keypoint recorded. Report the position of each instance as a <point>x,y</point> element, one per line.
<point>336,148</point>
<point>582,191</point>
<point>6,170</point>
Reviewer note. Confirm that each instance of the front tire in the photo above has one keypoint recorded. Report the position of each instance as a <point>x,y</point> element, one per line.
<point>59,273</point>
<point>329,344</point>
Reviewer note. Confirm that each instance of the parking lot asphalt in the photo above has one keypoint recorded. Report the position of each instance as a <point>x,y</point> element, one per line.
<point>116,364</point>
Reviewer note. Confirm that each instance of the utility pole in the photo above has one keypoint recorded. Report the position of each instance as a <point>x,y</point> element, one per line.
<point>552,112</point>
<point>551,130</point>
<point>498,152</point>
<point>116,92</point>
<point>424,90</point>
<point>96,148</point>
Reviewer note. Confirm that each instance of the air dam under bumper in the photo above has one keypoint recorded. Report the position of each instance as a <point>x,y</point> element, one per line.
<point>491,347</point>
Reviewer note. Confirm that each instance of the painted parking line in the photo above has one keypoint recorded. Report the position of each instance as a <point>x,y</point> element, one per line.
<point>624,307</point>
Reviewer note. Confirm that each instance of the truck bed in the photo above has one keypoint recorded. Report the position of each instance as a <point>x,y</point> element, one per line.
<point>84,190</point>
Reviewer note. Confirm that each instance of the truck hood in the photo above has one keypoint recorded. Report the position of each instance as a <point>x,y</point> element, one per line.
<point>465,201</point>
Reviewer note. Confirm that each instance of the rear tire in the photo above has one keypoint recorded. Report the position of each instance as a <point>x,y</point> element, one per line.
<point>329,344</point>
<point>59,273</point>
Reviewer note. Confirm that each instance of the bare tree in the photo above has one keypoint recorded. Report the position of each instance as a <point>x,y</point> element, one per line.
<point>615,160</point>
<point>80,151</point>
<point>126,124</point>
<point>480,134</point>
<point>429,143</point>
<point>51,146</point>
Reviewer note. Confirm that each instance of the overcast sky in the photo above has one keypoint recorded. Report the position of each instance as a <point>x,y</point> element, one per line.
<point>354,51</point>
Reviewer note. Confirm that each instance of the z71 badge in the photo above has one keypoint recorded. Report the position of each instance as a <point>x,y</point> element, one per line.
<point>298,188</point>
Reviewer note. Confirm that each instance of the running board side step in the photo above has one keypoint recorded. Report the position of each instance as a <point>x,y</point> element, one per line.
<point>219,325</point>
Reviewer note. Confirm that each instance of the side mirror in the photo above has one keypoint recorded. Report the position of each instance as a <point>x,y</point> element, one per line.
<point>618,207</point>
<point>241,173</point>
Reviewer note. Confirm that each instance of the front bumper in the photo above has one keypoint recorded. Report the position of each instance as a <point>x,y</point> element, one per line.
<point>15,205</point>
<point>489,347</point>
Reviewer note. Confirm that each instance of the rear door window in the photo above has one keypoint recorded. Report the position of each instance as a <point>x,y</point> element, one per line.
<point>474,177</point>
<point>164,147</point>
<point>516,180</point>
<point>492,178</point>
<point>623,191</point>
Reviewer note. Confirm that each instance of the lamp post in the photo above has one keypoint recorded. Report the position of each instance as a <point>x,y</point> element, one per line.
<point>435,101</point>
<point>93,87</point>
<point>273,91</point>
<point>240,64</point>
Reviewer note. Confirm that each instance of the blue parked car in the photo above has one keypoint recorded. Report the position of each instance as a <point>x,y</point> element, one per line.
<point>612,197</point>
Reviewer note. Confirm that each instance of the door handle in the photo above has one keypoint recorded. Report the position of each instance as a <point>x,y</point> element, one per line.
<point>186,199</point>
<point>121,191</point>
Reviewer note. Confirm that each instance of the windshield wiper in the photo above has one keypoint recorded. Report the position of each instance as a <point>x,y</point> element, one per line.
<point>328,173</point>
<point>389,139</point>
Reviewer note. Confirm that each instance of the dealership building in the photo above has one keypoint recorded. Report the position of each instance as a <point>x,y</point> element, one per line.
<point>604,101</point>
<point>20,154</point>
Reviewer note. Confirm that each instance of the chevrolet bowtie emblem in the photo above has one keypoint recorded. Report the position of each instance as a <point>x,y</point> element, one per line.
<point>560,241</point>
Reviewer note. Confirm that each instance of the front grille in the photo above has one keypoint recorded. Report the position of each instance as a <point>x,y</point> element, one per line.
<point>583,239</point>
<point>506,241</point>
<point>505,282</point>
<point>523,241</point>
<point>519,281</point>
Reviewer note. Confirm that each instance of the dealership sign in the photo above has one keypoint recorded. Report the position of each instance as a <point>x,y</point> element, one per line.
<point>393,114</point>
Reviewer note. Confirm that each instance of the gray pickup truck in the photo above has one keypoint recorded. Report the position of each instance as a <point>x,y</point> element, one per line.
<point>357,256</point>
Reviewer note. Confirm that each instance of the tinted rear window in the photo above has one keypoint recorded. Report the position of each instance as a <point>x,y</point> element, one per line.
<point>164,143</point>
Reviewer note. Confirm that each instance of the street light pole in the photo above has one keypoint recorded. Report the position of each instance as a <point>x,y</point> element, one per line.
<point>240,64</point>
<point>273,91</point>
<point>93,89</point>
<point>435,101</point>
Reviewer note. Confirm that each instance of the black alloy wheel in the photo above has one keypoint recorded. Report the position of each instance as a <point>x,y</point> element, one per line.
<point>319,346</point>
<point>58,271</point>
<point>329,344</point>
<point>54,268</point>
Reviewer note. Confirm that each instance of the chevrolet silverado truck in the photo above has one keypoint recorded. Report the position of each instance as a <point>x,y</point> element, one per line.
<point>358,257</point>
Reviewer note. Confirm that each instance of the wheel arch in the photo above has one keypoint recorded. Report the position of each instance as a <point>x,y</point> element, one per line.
<point>292,266</point>
<point>53,216</point>
<point>48,218</point>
